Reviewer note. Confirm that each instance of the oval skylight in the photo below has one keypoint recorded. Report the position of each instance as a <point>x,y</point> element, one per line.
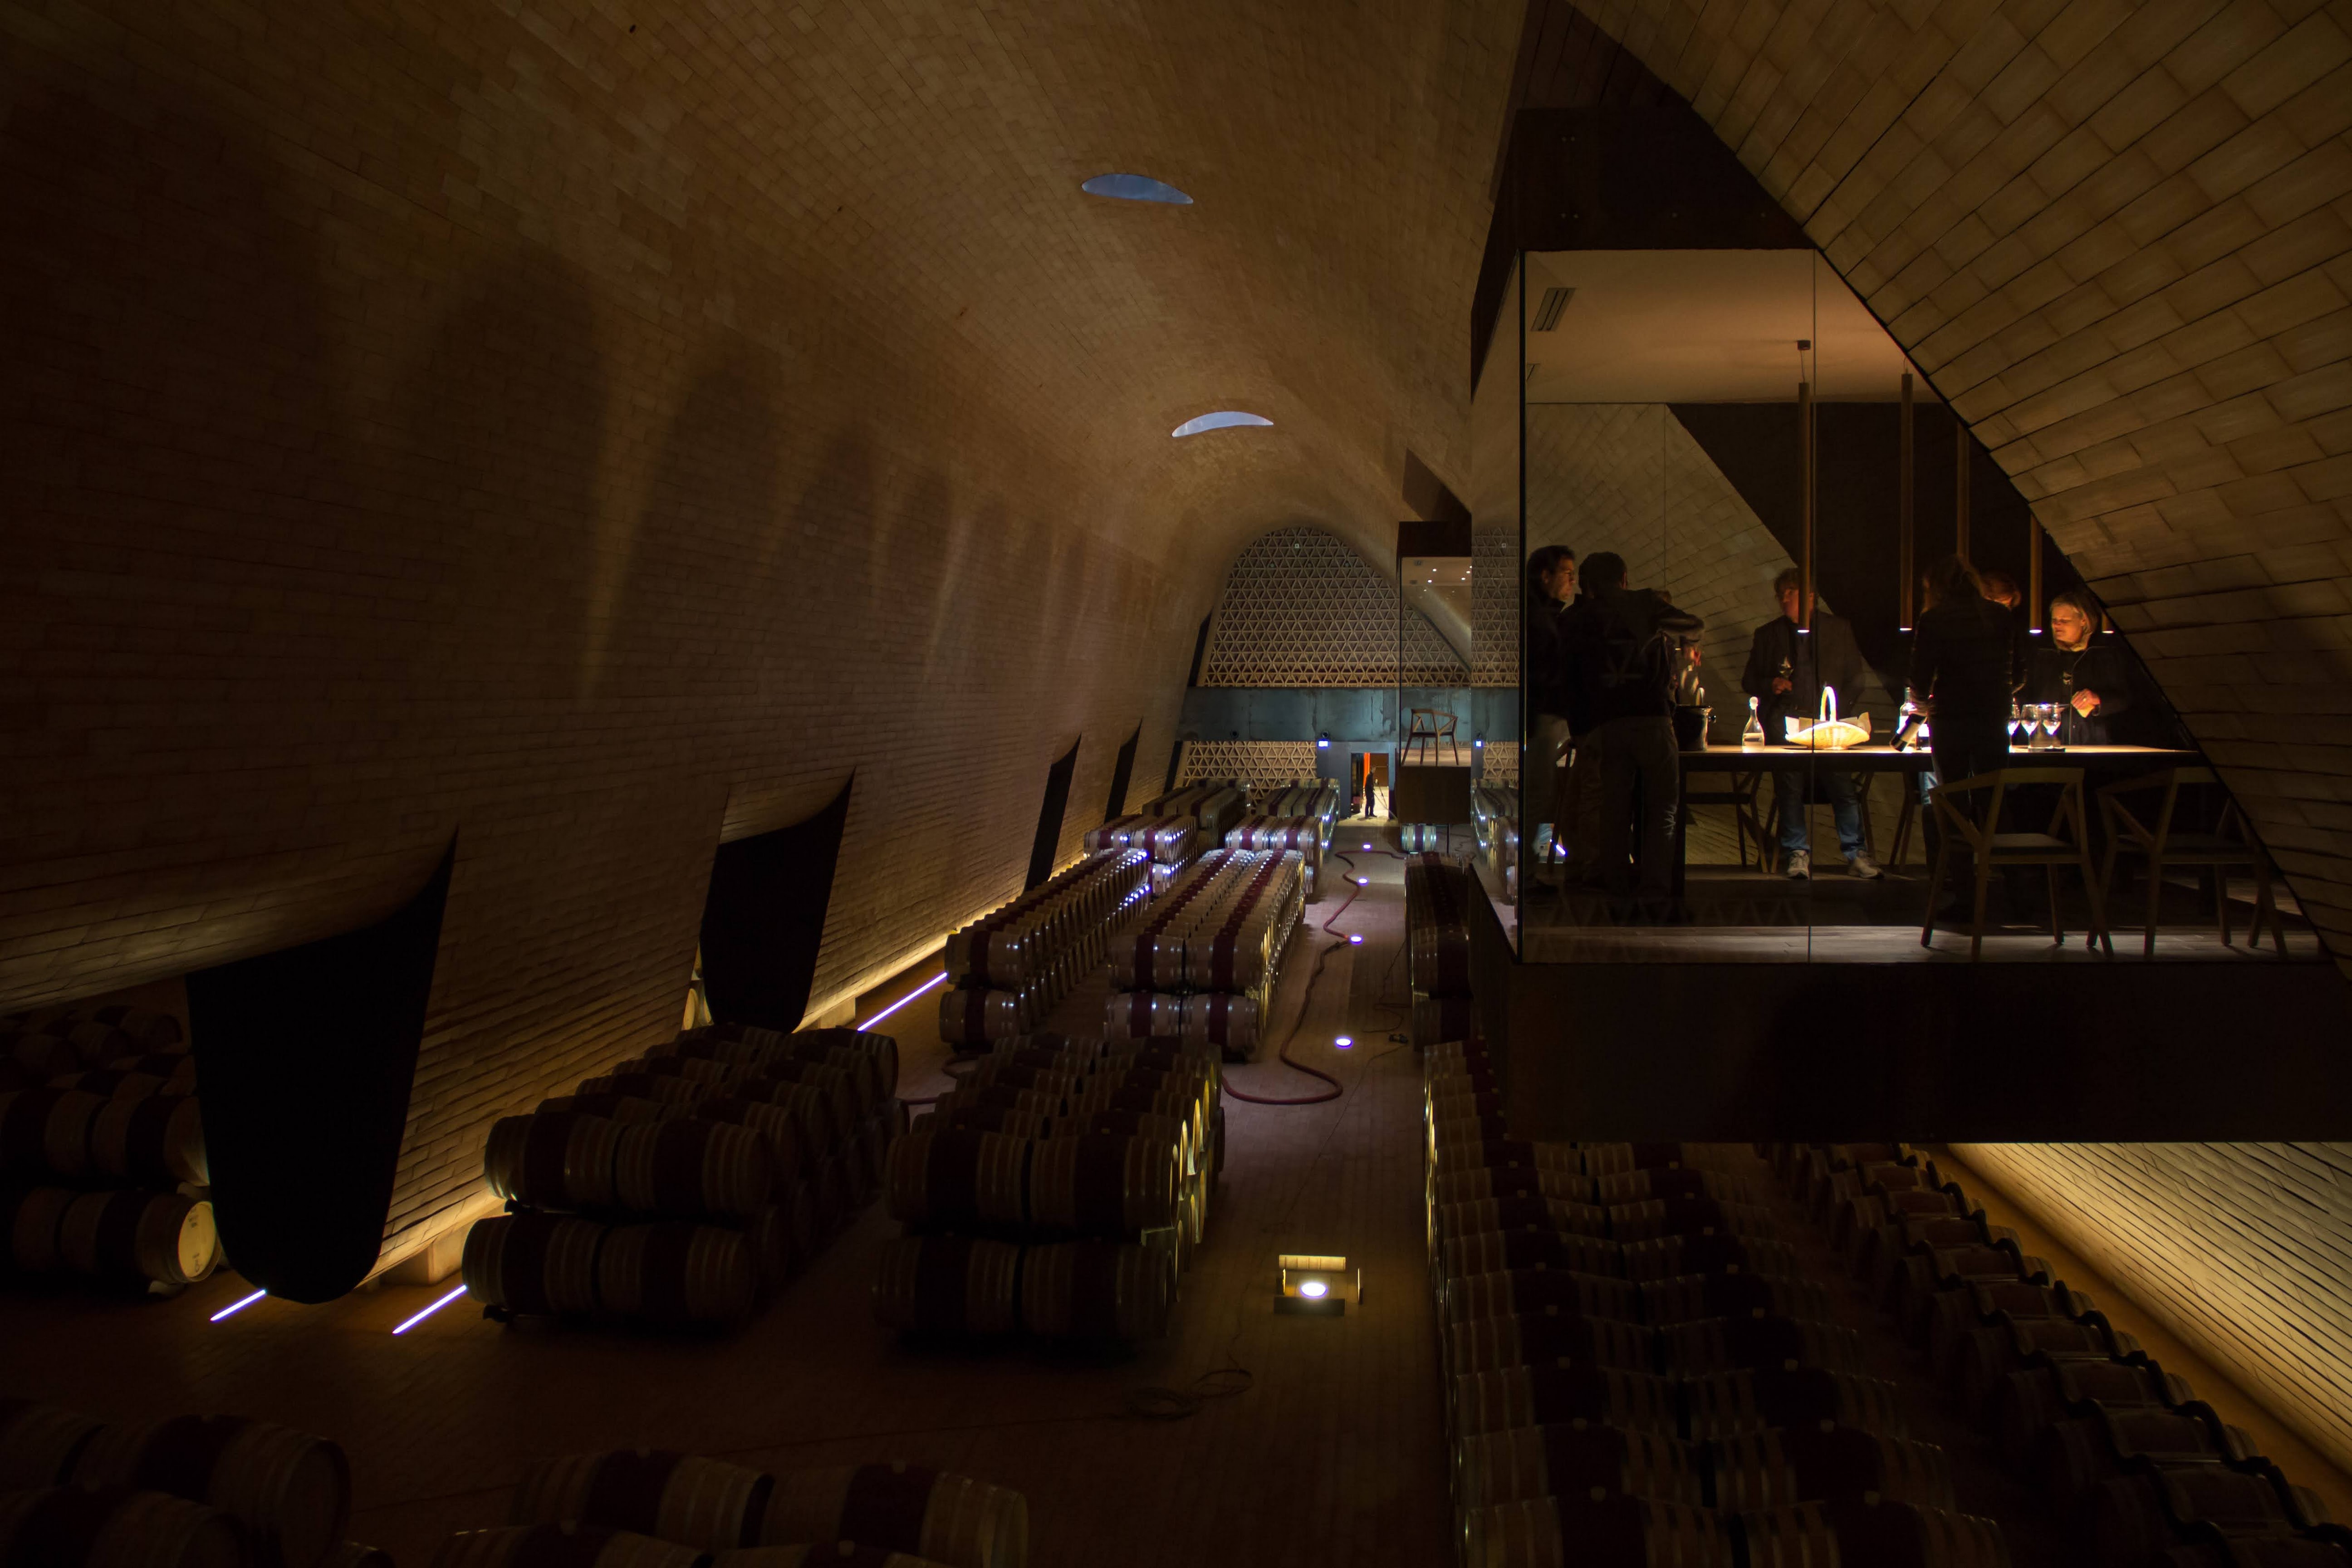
<point>1135,188</point>
<point>1226,420</point>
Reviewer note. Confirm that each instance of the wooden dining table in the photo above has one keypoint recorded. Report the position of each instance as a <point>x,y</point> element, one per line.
<point>1887,759</point>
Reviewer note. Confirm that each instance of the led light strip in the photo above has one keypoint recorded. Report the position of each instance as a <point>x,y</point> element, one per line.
<point>238,1306</point>
<point>430,1310</point>
<point>937,979</point>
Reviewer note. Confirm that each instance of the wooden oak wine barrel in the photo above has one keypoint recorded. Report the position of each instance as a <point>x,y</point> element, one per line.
<point>532,1265</point>
<point>701,1069</point>
<point>948,1518</point>
<point>949,1285</point>
<point>75,1527</point>
<point>1538,1339</point>
<point>807,1104</point>
<point>959,1178</point>
<point>561,1546</point>
<point>664,1087</point>
<point>159,1140</point>
<point>289,1491</point>
<point>558,1160</point>
<point>795,1131</point>
<point>1729,1404</point>
<point>159,1237</point>
<point>1499,1250</point>
<point>1509,1154</point>
<point>47,1130</point>
<point>1576,1459</point>
<point>1806,1464</point>
<point>1103,1185</point>
<point>1672,1256</point>
<point>1095,1290</point>
<point>134,1078</point>
<point>1617,1531</point>
<point>1142,1015</point>
<point>1469,1185</point>
<point>2037,1398</point>
<point>690,1168</point>
<point>1894,1534</point>
<point>708,1504</point>
<point>833,1086</point>
<point>39,1443</point>
<point>1555,1395</point>
<point>1692,1216</point>
<point>675,1272</point>
<point>1481,1217</point>
<point>1524,1290</point>
<point>883,1049</point>
<point>1697,1295</point>
<point>1732,1344</point>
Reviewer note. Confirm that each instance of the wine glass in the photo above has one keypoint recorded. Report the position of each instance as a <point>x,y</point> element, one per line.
<point>2049,719</point>
<point>2017,722</point>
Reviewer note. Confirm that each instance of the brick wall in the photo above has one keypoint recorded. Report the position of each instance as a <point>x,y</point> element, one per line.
<point>2117,240</point>
<point>1300,608</point>
<point>2242,1249</point>
<point>590,434</point>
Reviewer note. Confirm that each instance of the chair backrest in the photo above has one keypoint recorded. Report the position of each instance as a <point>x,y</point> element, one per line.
<point>1993,786</point>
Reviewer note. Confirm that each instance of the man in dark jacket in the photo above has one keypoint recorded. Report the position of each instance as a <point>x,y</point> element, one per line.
<point>1625,652</point>
<point>1787,673</point>
<point>1550,583</point>
<point>2086,677</point>
<point>1963,667</point>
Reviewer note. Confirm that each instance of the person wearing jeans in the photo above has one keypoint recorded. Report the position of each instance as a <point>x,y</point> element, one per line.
<point>1626,650</point>
<point>1787,671</point>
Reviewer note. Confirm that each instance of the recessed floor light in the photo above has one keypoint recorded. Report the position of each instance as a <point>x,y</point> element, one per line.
<point>1136,188</point>
<point>1225,419</point>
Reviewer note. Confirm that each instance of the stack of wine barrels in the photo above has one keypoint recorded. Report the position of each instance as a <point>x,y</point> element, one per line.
<point>1008,970</point>
<point>187,1491</point>
<point>1305,836</point>
<point>1213,805</point>
<point>1171,841</point>
<point>1201,961</point>
<point>1494,811</point>
<point>1639,1373</point>
<point>1437,896</point>
<point>1318,800</point>
<point>684,1185</point>
<point>102,1166</point>
<point>1059,1192</point>
<point>650,1508</point>
<point>2144,1471</point>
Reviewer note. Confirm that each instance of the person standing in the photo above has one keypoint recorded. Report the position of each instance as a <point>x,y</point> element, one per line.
<point>1625,651</point>
<point>1963,670</point>
<point>2088,679</point>
<point>2001,589</point>
<point>1550,583</point>
<point>1787,672</point>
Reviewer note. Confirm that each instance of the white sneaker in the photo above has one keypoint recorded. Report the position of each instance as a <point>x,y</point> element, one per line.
<point>1863,867</point>
<point>1800,865</point>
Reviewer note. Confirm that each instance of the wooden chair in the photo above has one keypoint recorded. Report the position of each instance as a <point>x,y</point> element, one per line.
<point>1981,838</point>
<point>1738,792</point>
<point>2229,844</point>
<point>1430,726</point>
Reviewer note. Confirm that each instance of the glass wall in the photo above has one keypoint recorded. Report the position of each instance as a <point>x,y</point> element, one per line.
<point>1716,755</point>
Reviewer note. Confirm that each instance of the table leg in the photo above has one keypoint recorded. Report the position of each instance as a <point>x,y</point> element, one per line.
<point>1682,828</point>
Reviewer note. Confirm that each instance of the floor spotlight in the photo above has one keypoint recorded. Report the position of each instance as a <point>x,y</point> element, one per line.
<point>1317,1285</point>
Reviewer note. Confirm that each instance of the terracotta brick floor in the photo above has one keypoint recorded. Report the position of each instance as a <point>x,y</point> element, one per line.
<point>1335,1453</point>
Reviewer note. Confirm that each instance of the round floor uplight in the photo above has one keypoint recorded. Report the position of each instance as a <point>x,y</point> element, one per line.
<point>1136,188</point>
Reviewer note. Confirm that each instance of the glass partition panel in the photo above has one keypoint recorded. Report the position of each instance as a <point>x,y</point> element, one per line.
<point>1497,548</point>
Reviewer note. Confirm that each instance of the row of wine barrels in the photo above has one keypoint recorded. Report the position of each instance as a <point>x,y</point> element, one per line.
<point>1756,1470</point>
<point>289,1491</point>
<point>587,1546</point>
<point>77,1134</point>
<point>1168,840</point>
<point>672,1272</point>
<point>134,1078</point>
<point>678,1167</point>
<point>873,1077</point>
<point>39,1443</point>
<point>80,1527</point>
<point>784,1132</point>
<point>167,1238</point>
<point>1014,945</point>
<point>708,1505</point>
<point>1437,928</point>
<point>1095,1184</point>
<point>151,1028</point>
<point>964,1286</point>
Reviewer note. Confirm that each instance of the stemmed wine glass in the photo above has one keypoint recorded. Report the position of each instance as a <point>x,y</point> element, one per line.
<point>2051,712</point>
<point>2018,720</point>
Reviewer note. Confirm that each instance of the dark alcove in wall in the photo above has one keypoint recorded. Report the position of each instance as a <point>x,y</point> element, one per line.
<point>764,918</point>
<point>1121,773</point>
<point>307,1058</point>
<point>1049,815</point>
